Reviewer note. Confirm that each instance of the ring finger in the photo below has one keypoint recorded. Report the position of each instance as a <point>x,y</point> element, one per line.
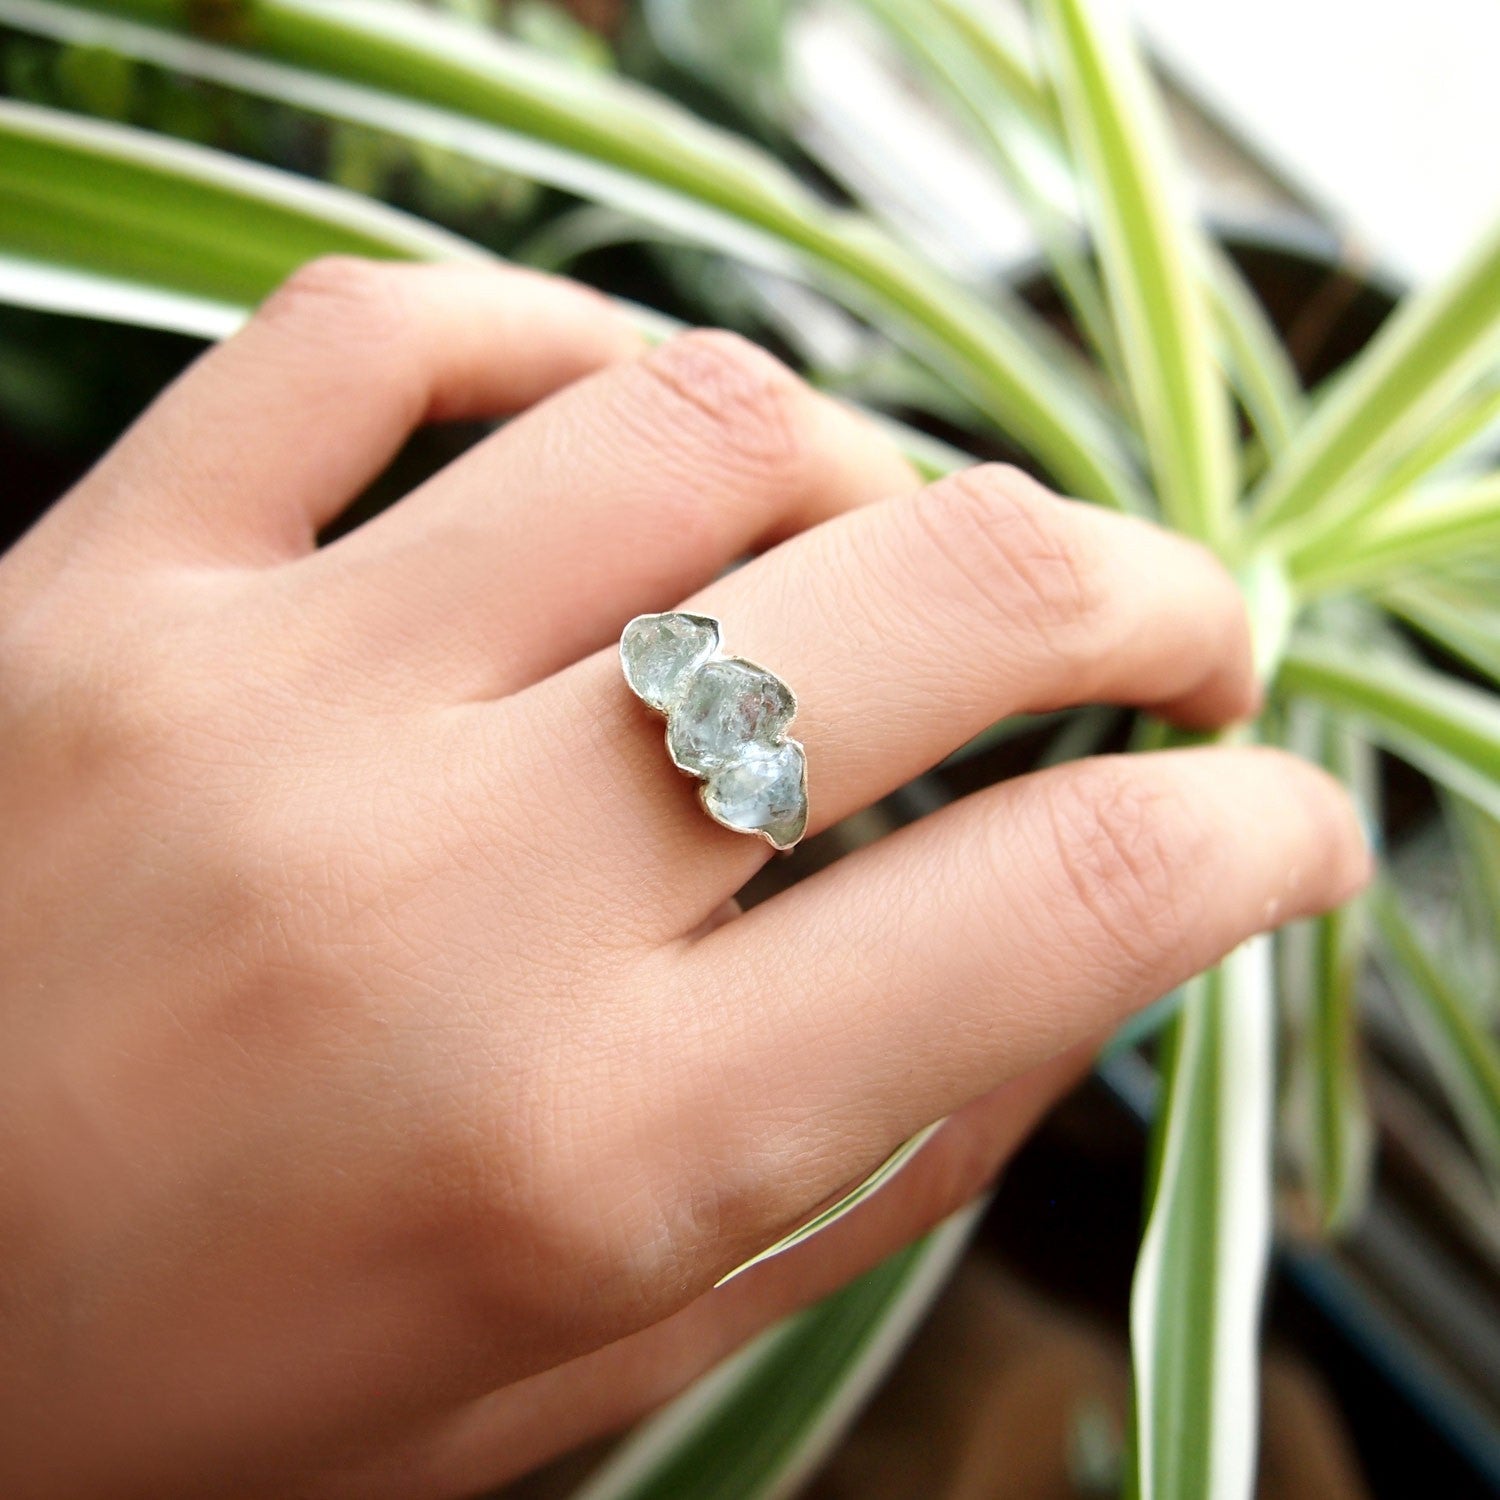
<point>905,628</point>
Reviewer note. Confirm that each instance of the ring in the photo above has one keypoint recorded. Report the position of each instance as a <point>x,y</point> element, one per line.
<point>726,724</point>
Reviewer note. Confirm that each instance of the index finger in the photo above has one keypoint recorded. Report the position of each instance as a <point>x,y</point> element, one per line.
<point>270,435</point>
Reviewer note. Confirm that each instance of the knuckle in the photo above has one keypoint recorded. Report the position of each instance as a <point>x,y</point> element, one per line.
<point>753,405</point>
<point>732,1208</point>
<point>558,1169</point>
<point>517,1191</point>
<point>92,707</point>
<point>116,705</point>
<point>1021,551</point>
<point>139,715</point>
<point>342,297</point>
<point>1133,853</point>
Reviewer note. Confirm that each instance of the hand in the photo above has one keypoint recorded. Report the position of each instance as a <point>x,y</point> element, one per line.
<point>385,1078</point>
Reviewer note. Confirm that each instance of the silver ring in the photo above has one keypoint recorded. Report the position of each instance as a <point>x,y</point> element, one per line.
<point>726,724</point>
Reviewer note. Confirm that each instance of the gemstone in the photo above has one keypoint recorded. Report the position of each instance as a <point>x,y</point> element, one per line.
<point>659,653</point>
<point>724,707</point>
<point>764,791</point>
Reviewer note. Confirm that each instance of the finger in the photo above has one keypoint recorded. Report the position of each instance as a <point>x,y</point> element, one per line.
<point>904,629</point>
<point>921,972</point>
<point>267,437</point>
<point>513,1430</point>
<point>636,486</point>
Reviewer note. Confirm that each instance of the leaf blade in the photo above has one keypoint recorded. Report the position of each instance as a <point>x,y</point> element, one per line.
<point>754,1429</point>
<point>851,1200</point>
<point>1459,614</point>
<point>1328,1127</point>
<point>1426,529</point>
<point>130,205</point>
<point>1150,253</point>
<point>1463,1053</point>
<point>405,69</point>
<point>1195,1302</point>
<point>1389,398</point>
<point>1446,728</point>
<point>987,76</point>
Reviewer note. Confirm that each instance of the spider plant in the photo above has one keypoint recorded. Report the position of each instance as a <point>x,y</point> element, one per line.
<point>1363,519</point>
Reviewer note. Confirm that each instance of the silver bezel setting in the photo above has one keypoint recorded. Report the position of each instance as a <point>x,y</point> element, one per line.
<point>665,710</point>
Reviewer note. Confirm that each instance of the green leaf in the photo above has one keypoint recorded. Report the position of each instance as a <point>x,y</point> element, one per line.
<point>1328,1118</point>
<point>1009,113</point>
<point>1003,55</point>
<point>845,1205</point>
<point>1427,528</point>
<point>1328,1126</point>
<point>87,294</point>
<point>136,208</point>
<point>1476,839</point>
<point>1443,727</point>
<point>1272,609</point>
<point>1389,399</point>
<point>1254,355</point>
<point>985,74</point>
<point>1459,609</point>
<point>756,1427</point>
<point>1150,253</point>
<point>1468,419</point>
<point>408,71</point>
<point>108,222</point>
<point>1463,1053</point>
<point>1195,1304</point>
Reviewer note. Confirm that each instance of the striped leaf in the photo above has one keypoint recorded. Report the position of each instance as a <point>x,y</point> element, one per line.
<point>132,207</point>
<point>1328,1130</point>
<point>402,69</point>
<point>983,71</point>
<point>1389,400</point>
<point>1426,529</point>
<point>1477,837</point>
<point>845,1205</point>
<point>1465,425</point>
<point>91,294</point>
<point>755,1428</point>
<point>1150,252</point>
<point>1459,609</point>
<point>1463,1053</point>
<point>1195,1304</point>
<point>116,219</point>
<point>1008,111</point>
<point>1444,727</point>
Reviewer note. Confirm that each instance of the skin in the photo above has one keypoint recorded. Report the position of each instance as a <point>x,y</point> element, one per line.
<point>386,1075</point>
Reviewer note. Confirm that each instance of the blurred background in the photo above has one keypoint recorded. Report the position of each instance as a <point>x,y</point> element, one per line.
<point>1343,153</point>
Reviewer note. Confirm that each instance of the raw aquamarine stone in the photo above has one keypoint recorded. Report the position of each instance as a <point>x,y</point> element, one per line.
<point>659,653</point>
<point>726,723</point>
<point>763,791</point>
<point>724,707</point>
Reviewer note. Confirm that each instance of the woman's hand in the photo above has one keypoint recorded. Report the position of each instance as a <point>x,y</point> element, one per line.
<point>377,1042</point>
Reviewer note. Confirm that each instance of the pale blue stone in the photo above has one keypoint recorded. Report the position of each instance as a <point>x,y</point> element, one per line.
<point>726,706</point>
<point>763,791</point>
<point>660,653</point>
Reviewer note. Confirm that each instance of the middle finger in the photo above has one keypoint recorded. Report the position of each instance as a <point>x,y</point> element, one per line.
<point>904,628</point>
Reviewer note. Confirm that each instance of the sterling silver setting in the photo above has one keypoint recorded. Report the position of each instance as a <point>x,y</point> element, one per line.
<point>726,724</point>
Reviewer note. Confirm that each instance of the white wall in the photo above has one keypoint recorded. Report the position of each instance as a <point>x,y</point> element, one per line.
<point>1386,113</point>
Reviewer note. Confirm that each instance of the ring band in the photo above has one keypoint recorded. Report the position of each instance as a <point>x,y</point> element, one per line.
<point>726,724</point>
